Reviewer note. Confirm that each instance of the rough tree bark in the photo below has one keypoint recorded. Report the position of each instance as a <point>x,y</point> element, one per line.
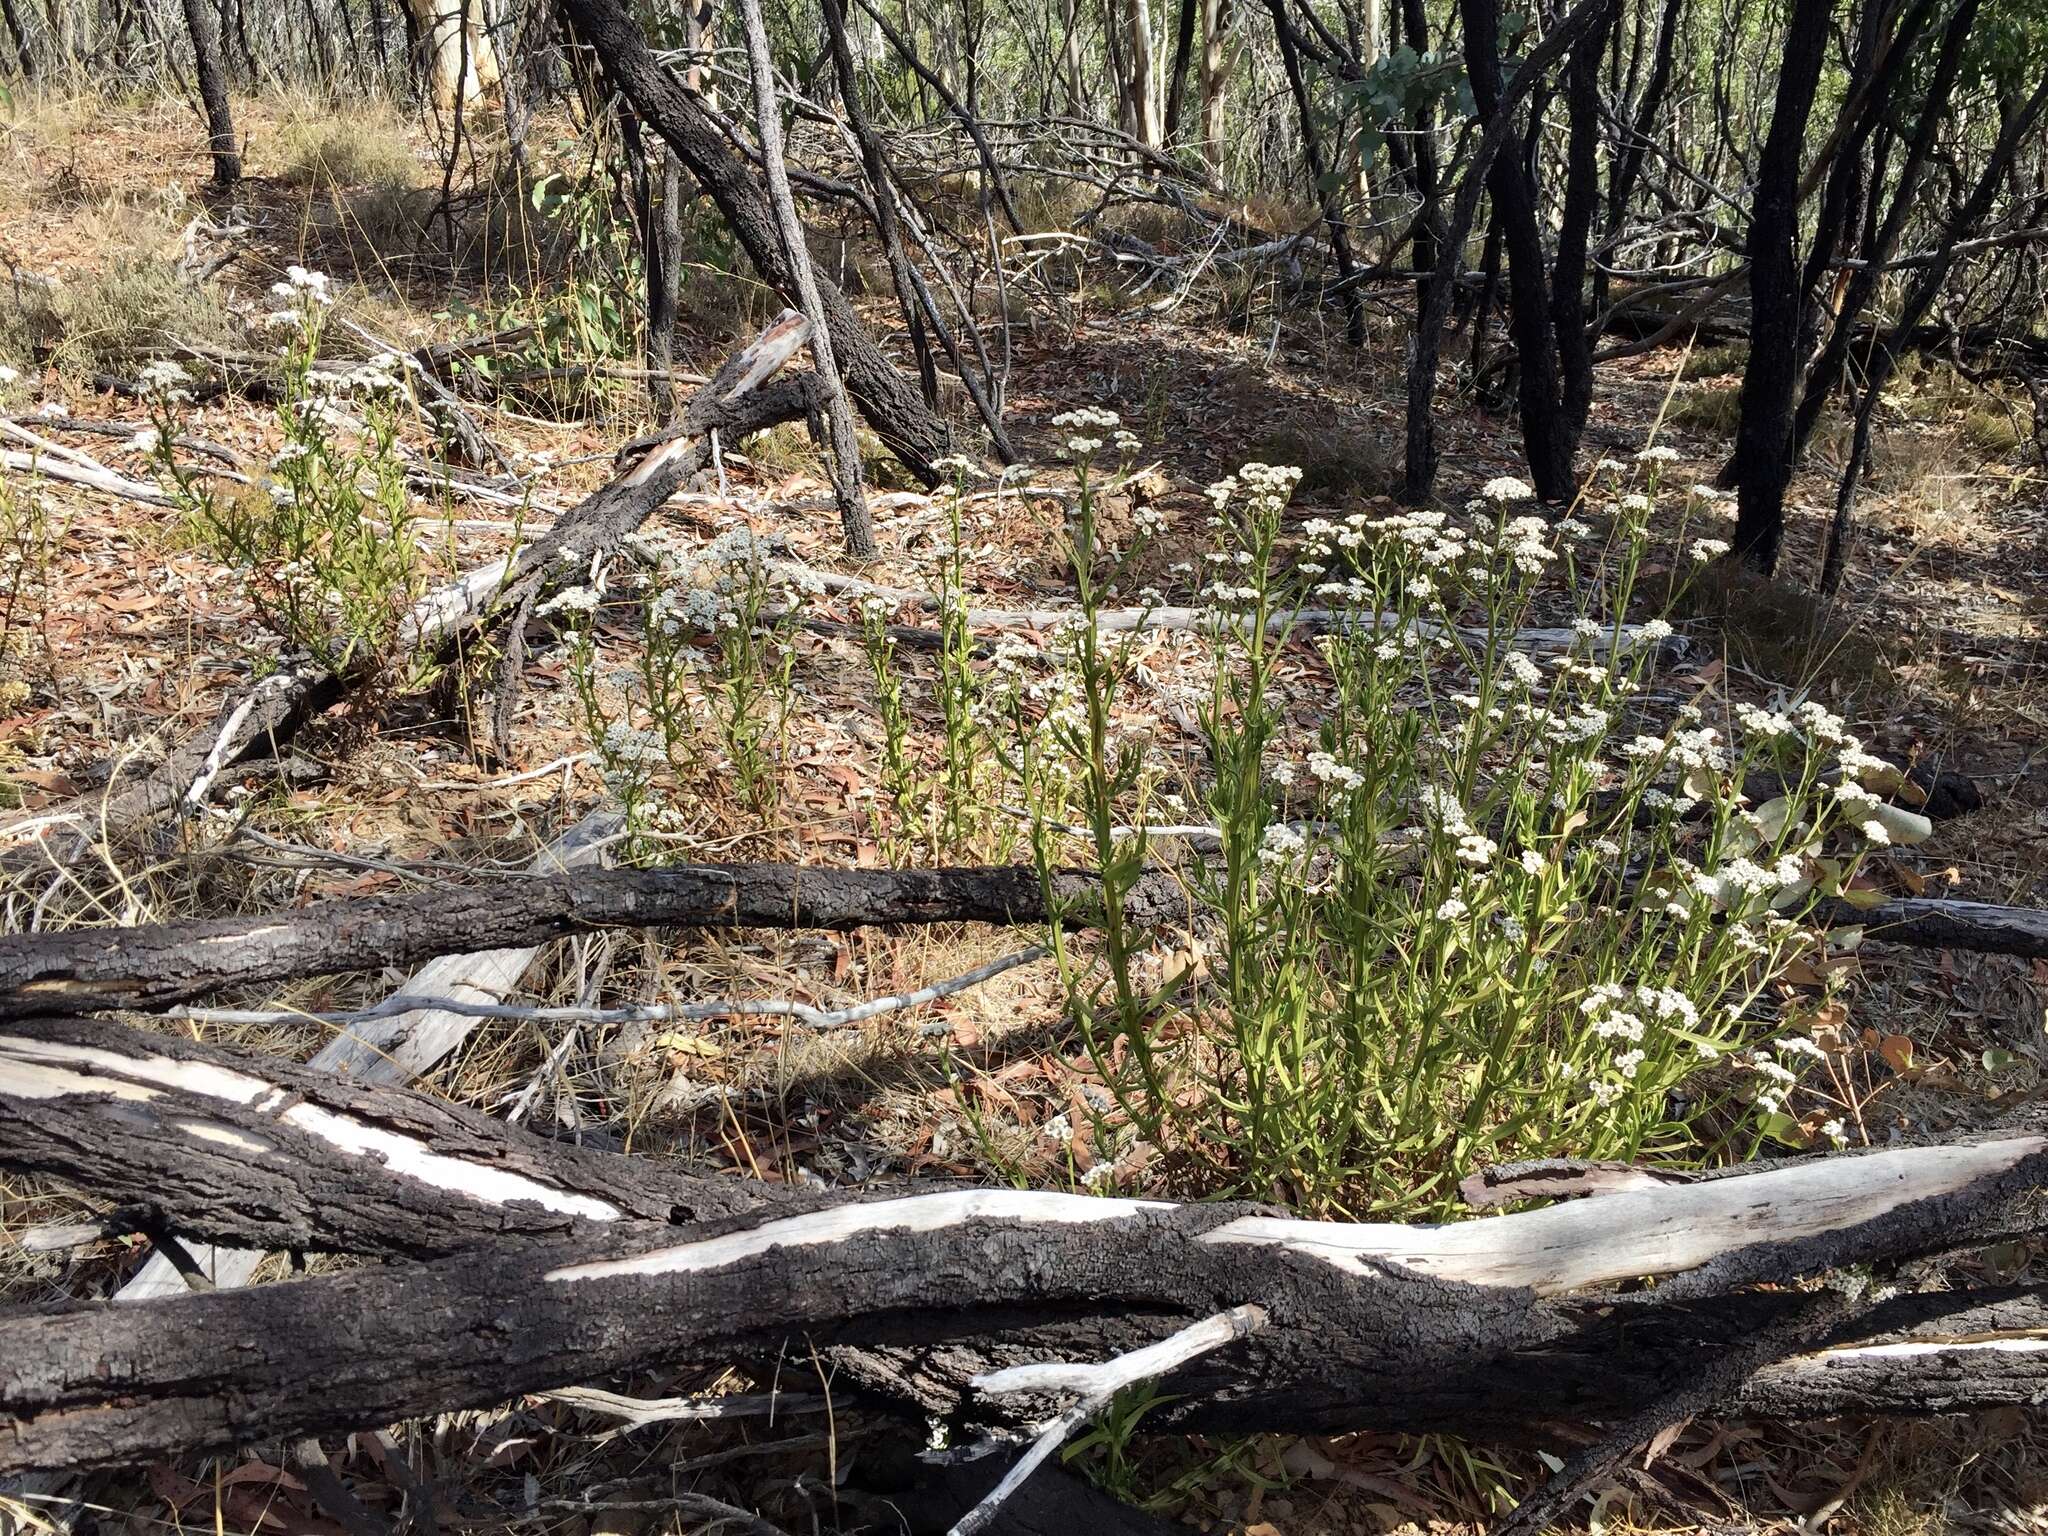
<point>211,69</point>
<point>1763,434</point>
<point>1491,1326</point>
<point>158,965</point>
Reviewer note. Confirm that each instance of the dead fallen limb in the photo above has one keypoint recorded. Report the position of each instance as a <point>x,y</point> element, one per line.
<point>1940,923</point>
<point>635,1013</point>
<point>1489,1326</point>
<point>161,964</point>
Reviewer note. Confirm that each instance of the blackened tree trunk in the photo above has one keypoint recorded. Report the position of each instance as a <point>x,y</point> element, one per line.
<point>1919,299</point>
<point>1826,372</point>
<point>1581,198</point>
<point>1628,162</point>
<point>1547,438</point>
<point>19,32</point>
<point>1763,437</point>
<point>211,69</point>
<point>657,181</point>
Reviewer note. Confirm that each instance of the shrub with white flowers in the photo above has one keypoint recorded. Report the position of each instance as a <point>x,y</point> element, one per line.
<point>1496,904</point>
<point>329,546</point>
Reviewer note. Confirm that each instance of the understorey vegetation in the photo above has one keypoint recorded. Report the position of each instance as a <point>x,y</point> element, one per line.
<point>1260,769</point>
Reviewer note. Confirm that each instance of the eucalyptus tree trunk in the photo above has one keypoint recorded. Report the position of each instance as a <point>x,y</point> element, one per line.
<point>1763,436</point>
<point>211,69</point>
<point>1217,48</point>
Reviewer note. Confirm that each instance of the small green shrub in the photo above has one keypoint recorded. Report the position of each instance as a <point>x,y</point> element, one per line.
<point>327,541</point>
<point>1993,432</point>
<point>137,306</point>
<point>354,151</point>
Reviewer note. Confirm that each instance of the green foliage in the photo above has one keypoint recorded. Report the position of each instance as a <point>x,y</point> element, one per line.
<point>327,541</point>
<point>1494,910</point>
<point>105,320</point>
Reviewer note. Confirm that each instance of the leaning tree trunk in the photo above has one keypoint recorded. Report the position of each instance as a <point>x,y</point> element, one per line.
<point>1763,436</point>
<point>211,68</point>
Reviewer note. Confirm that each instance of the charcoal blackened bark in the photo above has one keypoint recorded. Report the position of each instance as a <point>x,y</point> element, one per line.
<point>1762,464</point>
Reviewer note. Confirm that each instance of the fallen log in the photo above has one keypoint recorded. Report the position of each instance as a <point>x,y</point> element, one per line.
<point>1932,922</point>
<point>1489,1326</point>
<point>161,964</point>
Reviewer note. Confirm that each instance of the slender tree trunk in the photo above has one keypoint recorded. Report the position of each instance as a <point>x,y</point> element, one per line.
<point>1581,198</point>
<point>1217,48</point>
<point>1319,179</point>
<point>18,30</point>
<point>657,180</point>
<point>1927,284</point>
<point>859,531</point>
<point>882,190</point>
<point>1826,372</point>
<point>211,69</point>
<point>1177,74</point>
<point>1141,83</point>
<point>1763,436</point>
<point>1546,436</point>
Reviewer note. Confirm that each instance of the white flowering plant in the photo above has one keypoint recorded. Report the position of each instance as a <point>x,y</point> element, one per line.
<point>709,687</point>
<point>327,539</point>
<point>1484,900</point>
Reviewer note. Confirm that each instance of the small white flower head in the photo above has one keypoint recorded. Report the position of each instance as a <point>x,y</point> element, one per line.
<point>9,374</point>
<point>1704,550</point>
<point>1506,488</point>
<point>1876,832</point>
<point>1635,502</point>
<point>1451,910</point>
<point>1658,455</point>
<point>1087,419</point>
<point>1655,631</point>
<point>957,466</point>
<point>145,441</point>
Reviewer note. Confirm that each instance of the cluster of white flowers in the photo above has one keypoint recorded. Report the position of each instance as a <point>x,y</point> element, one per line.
<point>148,440</point>
<point>1522,542</point>
<point>9,374</point>
<point>569,600</point>
<point>1658,455</point>
<point>1337,777</point>
<point>1281,845</point>
<point>1085,424</point>
<point>1267,487</point>
<point>1770,724</point>
<point>1507,488</point>
<point>166,380</point>
<point>1704,550</point>
<point>304,286</point>
<point>958,466</point>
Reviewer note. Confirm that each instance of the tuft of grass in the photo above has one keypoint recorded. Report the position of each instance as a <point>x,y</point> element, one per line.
<point>1994,432</point>
<point>365,148</point>
<point>1336,468</point>
<point>1779,630</point>
<point>1714,409</point>
<point>1716,362</point>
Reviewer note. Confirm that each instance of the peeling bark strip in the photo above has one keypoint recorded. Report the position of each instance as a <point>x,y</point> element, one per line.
<point>1486,1326</point>
<point>161,964</point>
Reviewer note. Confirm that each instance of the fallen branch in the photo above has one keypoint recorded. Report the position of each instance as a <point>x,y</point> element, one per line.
<point>633,1013</point>
<point>160,964</point>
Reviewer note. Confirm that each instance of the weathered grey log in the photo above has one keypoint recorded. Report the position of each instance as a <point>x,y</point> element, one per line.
<point>1939,923</point>
<point>161,964</point>
<point>1487,1326</point>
